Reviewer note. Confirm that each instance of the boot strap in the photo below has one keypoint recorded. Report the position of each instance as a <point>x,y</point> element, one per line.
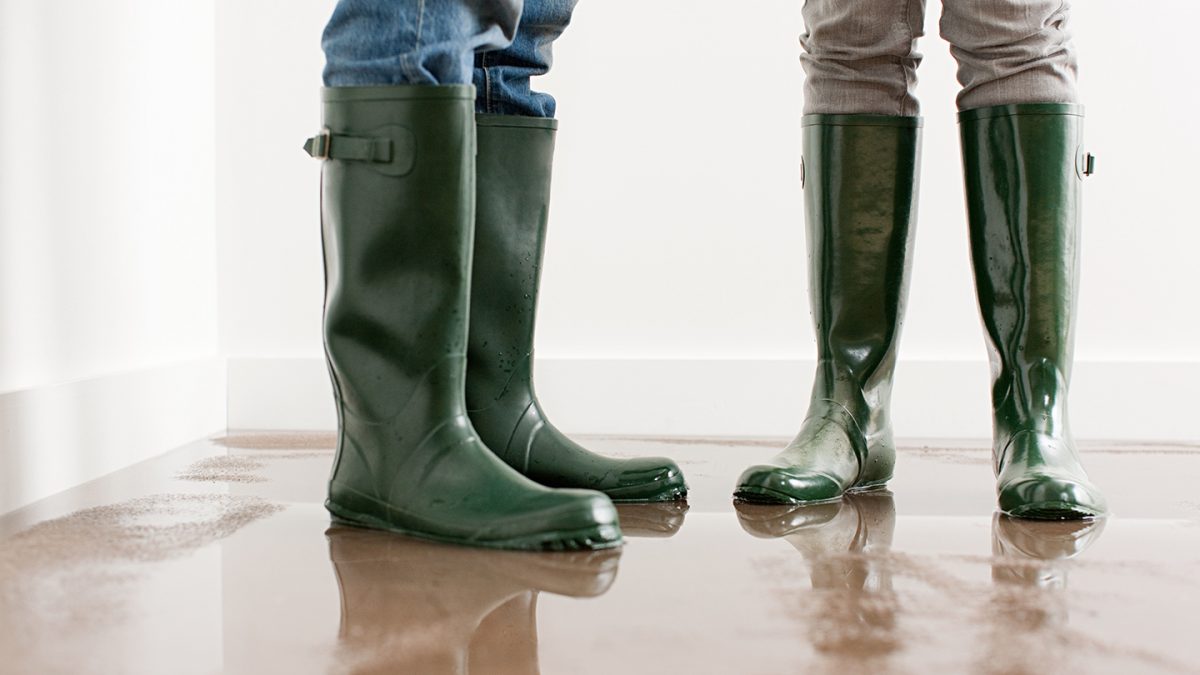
<point>327,145</point>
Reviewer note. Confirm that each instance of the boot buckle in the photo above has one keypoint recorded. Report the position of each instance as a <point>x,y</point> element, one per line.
<point>317,147</point>
<point>323,142</point>
<point>1085,163</point>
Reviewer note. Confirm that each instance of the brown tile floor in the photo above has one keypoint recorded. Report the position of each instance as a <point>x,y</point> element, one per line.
<point>218,558</point>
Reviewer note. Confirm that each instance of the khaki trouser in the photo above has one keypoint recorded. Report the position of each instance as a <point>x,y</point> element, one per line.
<point>861,54</point>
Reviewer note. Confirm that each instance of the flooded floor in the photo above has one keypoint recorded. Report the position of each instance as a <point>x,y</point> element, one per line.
<point>219,558</point>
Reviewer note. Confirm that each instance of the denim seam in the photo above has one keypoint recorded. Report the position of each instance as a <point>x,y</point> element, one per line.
<point>488,106</point>
<point>420,23</point>
<point>406,63</point>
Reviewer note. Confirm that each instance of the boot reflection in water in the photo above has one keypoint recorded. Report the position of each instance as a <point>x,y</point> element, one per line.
<point>1029,570</point>
<point>410,606</point>
<point>654,520</point>
<point>846,545</point>
<point>1027,616</point>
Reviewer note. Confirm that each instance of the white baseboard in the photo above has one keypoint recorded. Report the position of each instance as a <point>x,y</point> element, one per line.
<point>1149,401</point>
<point>56,437</point>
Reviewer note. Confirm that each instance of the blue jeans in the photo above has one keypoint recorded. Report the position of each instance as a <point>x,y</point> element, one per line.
<point>495,44</point>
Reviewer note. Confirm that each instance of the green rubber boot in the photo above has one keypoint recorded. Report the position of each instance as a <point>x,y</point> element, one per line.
<point>512,204</point>
<point>1024,168</point>
<point>397,219</point>
<point>860,200</point>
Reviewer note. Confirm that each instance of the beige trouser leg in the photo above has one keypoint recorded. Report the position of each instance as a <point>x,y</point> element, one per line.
<point>860,55</point>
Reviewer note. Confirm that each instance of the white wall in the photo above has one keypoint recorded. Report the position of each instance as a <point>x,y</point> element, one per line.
<point>268,70</point>
<point>107,251</point>
<point>677,230</point>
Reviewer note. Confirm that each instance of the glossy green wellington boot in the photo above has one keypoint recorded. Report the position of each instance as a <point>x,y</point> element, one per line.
<point>860,198</point>
<point>1024,168</point>
<point>397,221</point>
<point>512,204</point>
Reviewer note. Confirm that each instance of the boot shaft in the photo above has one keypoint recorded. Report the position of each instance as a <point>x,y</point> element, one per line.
<point>397,246</point>
<point>1023,167</point>
<point>860,199</point>
<point>513,172</point>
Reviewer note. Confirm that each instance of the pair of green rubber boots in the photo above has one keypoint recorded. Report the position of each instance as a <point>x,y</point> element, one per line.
<point>1023,166</point>
<point>433,225</point>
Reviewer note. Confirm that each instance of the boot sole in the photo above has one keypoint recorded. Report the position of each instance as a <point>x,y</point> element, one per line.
<point>679,495</point>
<point>587,539</point>
<point>758,495</point>
<point>1052,511</point>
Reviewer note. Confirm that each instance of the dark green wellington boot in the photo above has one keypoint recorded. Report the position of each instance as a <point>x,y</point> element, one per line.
<point>397,221</point>
<point>1024,167</point>
<point>512,204</point>
<point>860,199</point>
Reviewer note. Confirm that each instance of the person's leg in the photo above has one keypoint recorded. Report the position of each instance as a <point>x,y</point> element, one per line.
<point>1011,51</point>
<point>382,42</point>
<point>501,76</point>
<point>861,158</point>
<point>397,219</point>
<point>1023,165</point>
<point>514,165</point>
<point>860,57</point>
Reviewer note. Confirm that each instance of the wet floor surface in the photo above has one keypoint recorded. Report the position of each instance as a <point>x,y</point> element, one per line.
<point>219,558</point>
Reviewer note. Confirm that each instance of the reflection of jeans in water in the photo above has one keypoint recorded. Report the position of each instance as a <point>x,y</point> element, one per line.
<point>495,44</point>
<point>861,54</point>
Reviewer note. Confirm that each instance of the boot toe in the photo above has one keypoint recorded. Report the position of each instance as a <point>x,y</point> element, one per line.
<point>1047,497</point>
<point>648,479</point>
<point>777,485</point>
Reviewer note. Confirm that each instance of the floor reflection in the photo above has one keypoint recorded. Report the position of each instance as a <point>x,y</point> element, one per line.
<point>658,520</point>
<point>1027,616</point>
<point>409,606</point>
<point>414,606</point>
<point>852,614</point>
<point>203,562</point>
<point>1036,552</point>
<point>853,610</point>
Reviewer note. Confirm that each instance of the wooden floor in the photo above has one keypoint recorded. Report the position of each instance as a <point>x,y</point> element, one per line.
<point>219,558</point>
